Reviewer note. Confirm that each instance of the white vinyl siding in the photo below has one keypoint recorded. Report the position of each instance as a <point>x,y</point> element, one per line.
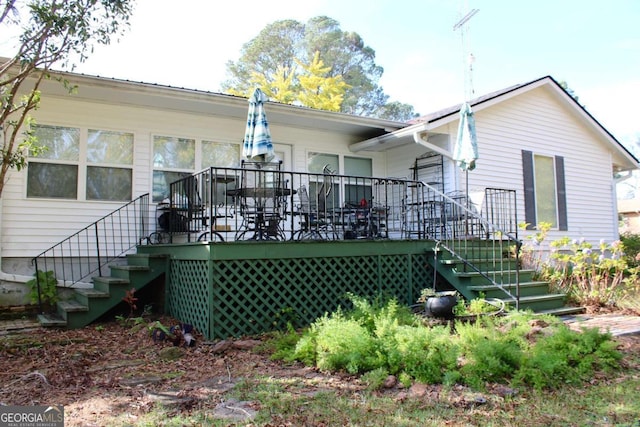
<point>535,121</point>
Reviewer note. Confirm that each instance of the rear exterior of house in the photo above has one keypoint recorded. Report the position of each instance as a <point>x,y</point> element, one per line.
<point>533,139</point>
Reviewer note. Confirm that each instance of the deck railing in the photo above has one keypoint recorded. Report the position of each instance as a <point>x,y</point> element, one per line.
<point>217,204</point>
<point>89,250</point>
<point>325,206</point>
<point>232,204</point>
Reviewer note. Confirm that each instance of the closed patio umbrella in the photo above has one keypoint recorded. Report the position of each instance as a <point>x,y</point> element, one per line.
<point>465,152</point>
<point>466,149</point>
<point>257,144</point>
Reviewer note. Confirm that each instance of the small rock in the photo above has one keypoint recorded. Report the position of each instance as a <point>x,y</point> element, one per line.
<point>504,391</point>
<point>535,330</point>
<point>246,344</point>
<point>418,390</point>
<point>168,398</point>
<point>236,410</point>
<point>390,382</point>
<point>132,382</point>
<point>539,323</point>
<point>402,396</point>
<point>221,347</point>
<point>170,353</point>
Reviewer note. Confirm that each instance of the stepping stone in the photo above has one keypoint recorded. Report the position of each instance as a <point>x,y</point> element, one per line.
<point>235,410</point>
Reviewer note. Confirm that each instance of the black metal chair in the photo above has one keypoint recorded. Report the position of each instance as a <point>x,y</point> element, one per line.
<point>262,201</point>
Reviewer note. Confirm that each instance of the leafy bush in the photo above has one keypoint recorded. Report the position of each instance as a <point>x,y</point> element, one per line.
<point>590,276</point>
<point>631,243</point>
<point>48,284</point>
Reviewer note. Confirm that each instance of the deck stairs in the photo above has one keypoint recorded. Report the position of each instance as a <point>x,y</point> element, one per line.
<point>89,304</point>
<point>489,270</point>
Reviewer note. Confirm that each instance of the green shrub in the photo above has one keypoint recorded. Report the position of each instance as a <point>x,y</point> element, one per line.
<point>428,354</point>
<point>344,344</point>
<point>48,284</point>
<point>631,244</point>
<point>567,357</point>
<point>371,340</point>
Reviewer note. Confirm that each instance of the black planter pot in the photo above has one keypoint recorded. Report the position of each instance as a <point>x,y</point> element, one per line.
<point>441,306</point>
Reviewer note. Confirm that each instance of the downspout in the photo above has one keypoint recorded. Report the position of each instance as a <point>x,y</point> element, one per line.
<point>422,139</point>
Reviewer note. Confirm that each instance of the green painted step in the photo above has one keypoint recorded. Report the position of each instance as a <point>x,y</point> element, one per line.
<point>526,289</point>
<point>474,278</point>
<point>107,283</point>
<point>70,306</point>
<point>481,263</point>
<point>540,303</point>
<point>51,320</point>
<point>563,311</point>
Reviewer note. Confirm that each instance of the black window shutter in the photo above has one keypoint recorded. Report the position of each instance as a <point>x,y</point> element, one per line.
<point>561,194</point>
<point>529,190</point>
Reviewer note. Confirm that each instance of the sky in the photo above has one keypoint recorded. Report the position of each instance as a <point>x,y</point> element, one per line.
<point>593,46</point>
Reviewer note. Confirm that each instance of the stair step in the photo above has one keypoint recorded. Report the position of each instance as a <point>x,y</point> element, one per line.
<point>526,289</point>
<point>104,283</point>
<point>123,271</point>
<point>564,311</point>
<point>51,320</point>
<point>474,278</point>
<point>539,303</point>
<point>92,293</point>
<point>111,280</point>
<point>72,306</point>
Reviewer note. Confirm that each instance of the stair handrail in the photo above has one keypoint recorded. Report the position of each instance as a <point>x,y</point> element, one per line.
<point>451,214</point>
<point>93,247</point>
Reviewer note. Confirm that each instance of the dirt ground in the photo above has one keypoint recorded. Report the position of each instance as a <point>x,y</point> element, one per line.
<point>107,369</point>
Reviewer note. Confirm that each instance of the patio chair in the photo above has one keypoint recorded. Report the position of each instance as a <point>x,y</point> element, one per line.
<point>315,224</point>
<point>262,200</point>
<point>459,217</point>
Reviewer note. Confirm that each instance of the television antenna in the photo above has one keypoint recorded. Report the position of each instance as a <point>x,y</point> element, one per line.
<point>468,58</point>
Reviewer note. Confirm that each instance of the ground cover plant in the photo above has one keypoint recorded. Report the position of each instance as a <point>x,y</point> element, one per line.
<point>519,349</point>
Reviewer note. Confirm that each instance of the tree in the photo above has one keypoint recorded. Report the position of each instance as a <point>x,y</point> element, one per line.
<point>319,90</point>
<point>277,52</point>
<point>564,85</point>
<point>56,32</point>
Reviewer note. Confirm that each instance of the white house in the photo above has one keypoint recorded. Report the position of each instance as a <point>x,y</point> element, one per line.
<point>114,140</point>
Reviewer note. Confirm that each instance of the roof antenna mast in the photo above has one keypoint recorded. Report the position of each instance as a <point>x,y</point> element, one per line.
<point>468,58</point>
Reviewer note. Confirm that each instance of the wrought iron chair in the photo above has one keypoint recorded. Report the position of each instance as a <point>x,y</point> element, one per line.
<point>315,224</point>
<point>262,200</point>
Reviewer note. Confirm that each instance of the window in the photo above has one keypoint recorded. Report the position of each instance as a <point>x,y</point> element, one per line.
<point>544,190</point>
<point>105,172</point>
<point>218,154</point>
<point>173,158</point>
<point>356,188</point>
<point>109,165</point>
<point>54,173</point>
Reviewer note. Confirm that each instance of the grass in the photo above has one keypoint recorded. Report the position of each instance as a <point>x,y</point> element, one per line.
<point>611,402</point>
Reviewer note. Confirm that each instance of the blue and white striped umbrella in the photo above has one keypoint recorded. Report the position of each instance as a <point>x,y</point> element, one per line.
<point>257,138</point>
<point>465,152</point>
